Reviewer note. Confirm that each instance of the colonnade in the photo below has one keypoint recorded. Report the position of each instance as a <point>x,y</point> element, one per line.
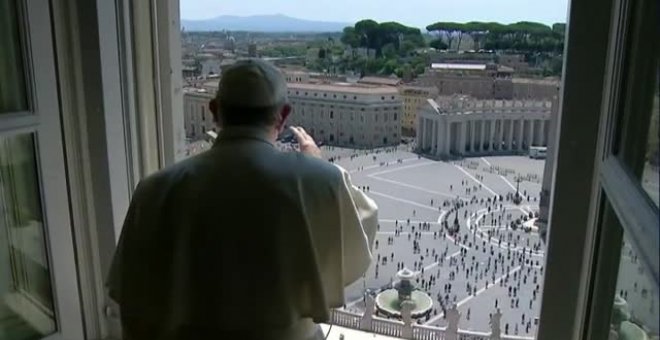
<point>457,135</point>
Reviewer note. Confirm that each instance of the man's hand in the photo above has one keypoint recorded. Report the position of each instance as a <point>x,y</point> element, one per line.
<point>306,142</point>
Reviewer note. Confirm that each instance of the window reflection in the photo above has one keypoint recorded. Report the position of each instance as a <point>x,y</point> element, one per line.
<point>652,161</point>
<point>635,313</point>
<point>26,301</point>
<point>13,95</point>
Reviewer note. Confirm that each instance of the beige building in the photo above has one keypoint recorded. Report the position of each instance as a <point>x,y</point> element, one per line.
<point>197,116</point>
<point>515,61</point>
<point>413,98</point>
<point>486,81</point>
<point>528,88</point>
<point>380,81</point>
<point>462,126</point>
<point>482,81</point>
<point>344,114</point>
<point>296,76</point>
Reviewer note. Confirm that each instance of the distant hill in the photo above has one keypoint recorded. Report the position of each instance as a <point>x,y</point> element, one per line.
<point>262,23</point>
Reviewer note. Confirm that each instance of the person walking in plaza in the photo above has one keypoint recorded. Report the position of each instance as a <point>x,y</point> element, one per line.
<point>242,241</point>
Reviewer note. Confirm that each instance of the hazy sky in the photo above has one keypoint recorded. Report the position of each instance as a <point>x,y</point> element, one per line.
<point>417,13</point>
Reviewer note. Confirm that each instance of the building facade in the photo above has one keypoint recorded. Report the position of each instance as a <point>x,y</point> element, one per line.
<point>351,115</point>
<point>295,76</point>
<point>252,50</point>
<point>528,88</point>
<point>461,126</point>
<point>413,98</point>
<point>482,81</point>
<point>380,81</point>
<point>515,61</point>
<point>197,116</point>
<point>210,65</point>
<point>486,81</point>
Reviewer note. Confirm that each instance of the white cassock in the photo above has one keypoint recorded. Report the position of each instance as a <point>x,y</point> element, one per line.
<point>243,241</point>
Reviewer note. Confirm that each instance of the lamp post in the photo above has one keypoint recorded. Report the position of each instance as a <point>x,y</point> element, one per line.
<point>456,223</point>
<point>517,198</point>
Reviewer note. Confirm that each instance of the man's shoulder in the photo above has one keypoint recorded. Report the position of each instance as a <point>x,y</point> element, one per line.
<point>168,176</point>
<point>306,165</point>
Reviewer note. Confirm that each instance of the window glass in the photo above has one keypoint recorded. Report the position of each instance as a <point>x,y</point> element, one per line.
<point>652,157</point>
<point>26,300</point>
<point>13,93</point>
<point>635,312</point>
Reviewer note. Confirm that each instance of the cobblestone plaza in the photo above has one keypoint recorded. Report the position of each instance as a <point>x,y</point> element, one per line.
<point>486,264</point>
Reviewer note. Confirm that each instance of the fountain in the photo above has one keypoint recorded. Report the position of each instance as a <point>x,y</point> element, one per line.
<point>391,301</point>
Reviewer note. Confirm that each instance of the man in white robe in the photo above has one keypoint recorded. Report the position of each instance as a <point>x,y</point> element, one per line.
<point>242,241</point>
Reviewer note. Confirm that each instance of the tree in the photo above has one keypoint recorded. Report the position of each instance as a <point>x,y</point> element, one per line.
<point>526,37</point>
<point>448,30</point>
<point>480,30</point>
<point>350,37</point>
<point>555,66</point>
<point>367,31</point>
<point>404,70</point>
<point>559,27</point>
<point>370,34</point>
<point>438,44</point>
<point>419,69</point>
<point>374,66</point>
<point>406,48</point>
<point>389,51</point>
<point>389,67</point>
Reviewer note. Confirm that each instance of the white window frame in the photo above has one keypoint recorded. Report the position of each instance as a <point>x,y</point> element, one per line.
<point>572,227</point>
<point>594,199</point>
<point>158,81</point>
<point>622,202</point>
<point>95,98</point>
<point>42,121</point>
<point>148,81</point>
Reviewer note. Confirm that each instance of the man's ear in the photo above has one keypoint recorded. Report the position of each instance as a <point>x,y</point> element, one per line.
<point>213,107</point>
<point>283,114</point>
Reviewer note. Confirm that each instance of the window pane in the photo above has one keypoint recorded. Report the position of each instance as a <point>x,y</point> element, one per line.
<point>26,301</point>
<point>652,160</point>
<point>635,312</point>
<point>12,78</point>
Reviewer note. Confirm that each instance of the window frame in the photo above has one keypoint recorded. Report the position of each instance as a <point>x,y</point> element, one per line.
<point>121,115</point>
<point>633,58</point>
<point>41,119</point>
<point>154,22</point>
<point>617,201</point>
<point>572,227</point>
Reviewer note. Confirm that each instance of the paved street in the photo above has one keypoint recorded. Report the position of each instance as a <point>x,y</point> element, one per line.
<point>484,263</point>
<point>636,286</point>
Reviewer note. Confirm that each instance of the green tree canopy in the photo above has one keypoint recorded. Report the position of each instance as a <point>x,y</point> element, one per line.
<point>350,37</point>
<point>448,31</point>
<point>438,44</point>
<point>396,44</point>
<point>371,34</point>
<point>523,36</point>
<point>559,28</point>
<point>389,50</point>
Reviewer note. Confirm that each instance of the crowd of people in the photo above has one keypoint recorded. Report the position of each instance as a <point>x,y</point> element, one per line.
<point>482,242</point>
